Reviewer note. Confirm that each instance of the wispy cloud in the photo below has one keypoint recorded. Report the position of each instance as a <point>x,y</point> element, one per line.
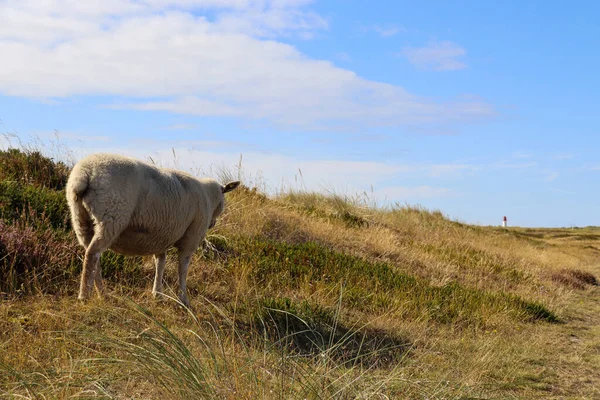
<point>271,171</point>
<point>436,56</point>
<point>562,191</point>
<point>452,170</point>
<point>563,156</point>
<point>383,30</point>
<point>369,137</point>
<point>343,56</point>
<point>513,165</point>
<point>81,137</point>
<point>180,127</point>
<point>521,154</point>
<point>592,167</point>
<point>206,58</point>
<point>387,30</point>
<point>55,20</point>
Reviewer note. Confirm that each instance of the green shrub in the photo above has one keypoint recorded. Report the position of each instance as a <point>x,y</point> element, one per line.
<point>32,168</point>
<point>43,260</point>
<point>35,204</point>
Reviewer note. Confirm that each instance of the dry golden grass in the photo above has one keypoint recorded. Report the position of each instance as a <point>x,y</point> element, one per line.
<point>307,296</point>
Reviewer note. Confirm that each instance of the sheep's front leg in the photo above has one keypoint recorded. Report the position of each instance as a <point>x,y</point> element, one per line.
<point>159,261</point>
<point>184,263</point>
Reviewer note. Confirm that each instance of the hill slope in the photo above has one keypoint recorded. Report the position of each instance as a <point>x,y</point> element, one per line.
<point>298,296</point>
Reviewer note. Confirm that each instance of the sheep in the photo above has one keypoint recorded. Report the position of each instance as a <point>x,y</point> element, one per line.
<point>134,208</point>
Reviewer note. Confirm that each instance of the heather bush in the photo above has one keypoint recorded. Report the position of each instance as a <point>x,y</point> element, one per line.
<point>34,260</point>
<point>37,259</point>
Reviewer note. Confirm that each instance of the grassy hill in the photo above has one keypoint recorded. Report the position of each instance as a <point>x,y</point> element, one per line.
<point>298,296</point>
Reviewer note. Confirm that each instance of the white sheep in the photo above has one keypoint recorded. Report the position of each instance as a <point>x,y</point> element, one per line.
<point>134,208</point>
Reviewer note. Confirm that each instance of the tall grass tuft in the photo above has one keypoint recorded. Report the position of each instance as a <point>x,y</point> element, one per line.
<point>310,330</point>
<point>213,358</point>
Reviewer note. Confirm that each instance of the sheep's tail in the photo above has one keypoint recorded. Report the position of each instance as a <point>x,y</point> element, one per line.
<point>77,187</point>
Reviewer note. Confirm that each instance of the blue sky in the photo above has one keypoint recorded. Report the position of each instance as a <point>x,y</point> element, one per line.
<point>478,109</point>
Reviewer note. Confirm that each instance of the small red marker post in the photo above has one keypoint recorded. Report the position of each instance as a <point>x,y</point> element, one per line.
<point>504,222</point>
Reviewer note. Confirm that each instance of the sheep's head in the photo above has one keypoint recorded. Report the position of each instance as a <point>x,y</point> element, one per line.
<point>221,204</point>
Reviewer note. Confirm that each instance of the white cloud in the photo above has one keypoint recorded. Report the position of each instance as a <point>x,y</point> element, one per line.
<point>387,30</point>
<point>383,30</point>
<point>521,154</point>
<point>271,171</point>
<point>202,57</point>
<point>277,172</point>
<point>562,191</point>
<point>436,56</point>
<point>61,136</point>
<point>592,167</point>
<point>272,22</point>
<point>511,165</point>
<point>452,170</point>
<point>180,127</point>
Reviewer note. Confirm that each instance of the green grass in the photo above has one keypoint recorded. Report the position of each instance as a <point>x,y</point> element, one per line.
<point>377,287</point>
<point>333,208</point>
<point>466,257</point>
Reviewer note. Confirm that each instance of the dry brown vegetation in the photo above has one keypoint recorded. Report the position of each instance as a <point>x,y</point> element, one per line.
<point>302,296</point>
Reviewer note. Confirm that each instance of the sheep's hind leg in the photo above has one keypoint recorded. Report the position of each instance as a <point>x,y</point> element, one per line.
<point>87,238</point>
<point>90,263</point>
<point>101,241</point>
<point>159,261</point>
<point>99,283</point>
<point>184,263</point>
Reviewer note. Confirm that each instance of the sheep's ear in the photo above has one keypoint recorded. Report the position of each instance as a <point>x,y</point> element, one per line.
<point>230,186</point>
